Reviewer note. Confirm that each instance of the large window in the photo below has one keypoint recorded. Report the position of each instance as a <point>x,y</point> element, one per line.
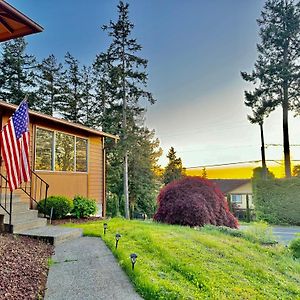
<point>57,151</point>
<point>64,152</point>
<point>81,155</point>
<point>44,149</point>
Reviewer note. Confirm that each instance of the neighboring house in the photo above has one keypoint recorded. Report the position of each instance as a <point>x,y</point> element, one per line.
<point>237,189</point>
<point>69,157</point>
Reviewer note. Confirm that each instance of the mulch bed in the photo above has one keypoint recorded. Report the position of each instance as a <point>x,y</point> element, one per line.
<point>23,267</point>
<point>75,220</point>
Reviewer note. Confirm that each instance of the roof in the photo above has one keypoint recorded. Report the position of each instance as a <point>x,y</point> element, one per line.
<point>227,185</point>
<point>51,119</point>
<point>14,24</point>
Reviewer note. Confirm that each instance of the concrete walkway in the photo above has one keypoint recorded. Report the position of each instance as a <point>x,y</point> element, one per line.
<point>85,268</point>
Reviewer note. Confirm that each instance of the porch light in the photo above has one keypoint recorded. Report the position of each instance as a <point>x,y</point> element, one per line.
<point>118,235</point>
<point>133,258</point>
<point>104,227</point>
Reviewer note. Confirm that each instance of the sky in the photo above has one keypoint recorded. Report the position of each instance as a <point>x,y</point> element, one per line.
<point>196,50</point>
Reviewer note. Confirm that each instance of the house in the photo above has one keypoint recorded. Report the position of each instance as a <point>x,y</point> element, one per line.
<point>238,190</point>
<point>66,158</point>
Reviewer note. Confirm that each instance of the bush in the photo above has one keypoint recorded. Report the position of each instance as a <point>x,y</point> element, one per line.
<point>277,201</point>
<point>61,206</point>
<point>84,207</point>
<point>193,201</point>
<point>295,247</point>
<point>261,232</point>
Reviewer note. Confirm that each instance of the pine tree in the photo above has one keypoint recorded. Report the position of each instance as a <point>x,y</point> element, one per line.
<point>49,85</point>
<point>88,98</point>
<point>129,80</point>
<point>173,170</point>
<point>144,184</point>
<point>277,68</point>
<point>204,173</point>
<point>261,108</point>
<point>71,103</point>
<point>17,72</point>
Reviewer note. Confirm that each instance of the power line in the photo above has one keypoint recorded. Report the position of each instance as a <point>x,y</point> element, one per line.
<point>238,163</point>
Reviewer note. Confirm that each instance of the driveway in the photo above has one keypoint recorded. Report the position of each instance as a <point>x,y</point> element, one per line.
<point>283,234</point>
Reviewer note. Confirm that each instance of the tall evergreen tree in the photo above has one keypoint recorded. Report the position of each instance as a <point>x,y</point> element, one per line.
<point>49,85</point>
<point>277,67</point>
<point>71,104</point>
<point>129,78</point>
<point>88,98</point>
<point>17,72</point>
<point>174,168</point>
<point>261,108</point>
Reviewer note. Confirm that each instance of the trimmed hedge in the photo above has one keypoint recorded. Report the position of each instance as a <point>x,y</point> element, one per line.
<point>277,201</point>
<point>83,207</point>
<point>61,206</point>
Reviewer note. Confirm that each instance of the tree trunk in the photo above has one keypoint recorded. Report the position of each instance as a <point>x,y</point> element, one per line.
<point>285,109</point>
<point>263,156</point>
<point>286,142</point>
<point>125,171</point>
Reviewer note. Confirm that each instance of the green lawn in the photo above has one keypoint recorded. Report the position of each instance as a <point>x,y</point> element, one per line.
<point>177,262</point>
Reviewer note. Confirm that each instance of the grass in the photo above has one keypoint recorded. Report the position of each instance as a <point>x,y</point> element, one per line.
<point>177,262</point>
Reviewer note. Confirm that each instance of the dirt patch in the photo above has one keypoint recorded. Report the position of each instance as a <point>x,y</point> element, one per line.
<point>75,220</point>
<point>23,267</point>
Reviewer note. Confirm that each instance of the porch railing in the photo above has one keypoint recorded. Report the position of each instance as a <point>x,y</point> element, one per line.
<point>36,189</point>
<point>6,198</point>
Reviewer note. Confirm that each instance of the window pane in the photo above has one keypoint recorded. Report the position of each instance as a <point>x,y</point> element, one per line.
<point>44,155</point>
<point>64,152</point>
<point>236,198</point>
<point>81,155</point>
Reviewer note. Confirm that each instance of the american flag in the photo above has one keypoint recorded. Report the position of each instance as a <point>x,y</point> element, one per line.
<point>15,147</point>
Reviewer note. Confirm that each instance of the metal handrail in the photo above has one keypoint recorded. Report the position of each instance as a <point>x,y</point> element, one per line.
<point>5,205</point>
<point>37,190</point>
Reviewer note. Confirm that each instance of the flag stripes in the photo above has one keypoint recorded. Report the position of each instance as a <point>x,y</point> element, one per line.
<point>14,141</point>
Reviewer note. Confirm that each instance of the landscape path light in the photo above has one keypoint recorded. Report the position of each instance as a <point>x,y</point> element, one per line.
<point>118,235</point>
<point>133,258</point>
<point>104,227</point>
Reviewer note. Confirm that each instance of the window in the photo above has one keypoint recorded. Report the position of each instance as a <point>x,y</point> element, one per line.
<point>58,151</point>
<point>44,149</point>
<point>64,152</point>
<point>81,155</point>
<point>235,198</point>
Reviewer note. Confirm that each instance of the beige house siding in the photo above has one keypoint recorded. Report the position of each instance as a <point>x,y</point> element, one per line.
<point>243,190</point>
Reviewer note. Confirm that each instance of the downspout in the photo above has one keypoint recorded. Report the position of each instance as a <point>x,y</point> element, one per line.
<point>104,178</point>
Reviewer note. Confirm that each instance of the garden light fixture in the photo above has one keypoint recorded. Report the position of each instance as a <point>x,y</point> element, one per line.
<point>104,227</point>
<point>133,258</point>
<point>118,235</point>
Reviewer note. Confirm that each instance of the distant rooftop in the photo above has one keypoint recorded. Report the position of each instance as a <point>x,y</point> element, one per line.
<point>227,185</point>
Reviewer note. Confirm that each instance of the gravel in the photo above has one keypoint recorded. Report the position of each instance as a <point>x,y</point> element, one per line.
<point>23,267</point>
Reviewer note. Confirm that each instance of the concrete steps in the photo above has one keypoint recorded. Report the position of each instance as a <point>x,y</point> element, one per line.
<point>26,222</point>
<point>23,218</point>
<point>54,235</point>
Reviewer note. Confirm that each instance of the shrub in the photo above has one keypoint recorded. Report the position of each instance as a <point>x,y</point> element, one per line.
<point>277,201</point>
<point>295,247</point>
<point>84,207</point>
<point>261,232</point>
<point>193,201</point>
<point>61,206</point>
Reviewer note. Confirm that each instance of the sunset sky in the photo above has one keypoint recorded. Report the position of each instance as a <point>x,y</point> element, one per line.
<point>196,50</point>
